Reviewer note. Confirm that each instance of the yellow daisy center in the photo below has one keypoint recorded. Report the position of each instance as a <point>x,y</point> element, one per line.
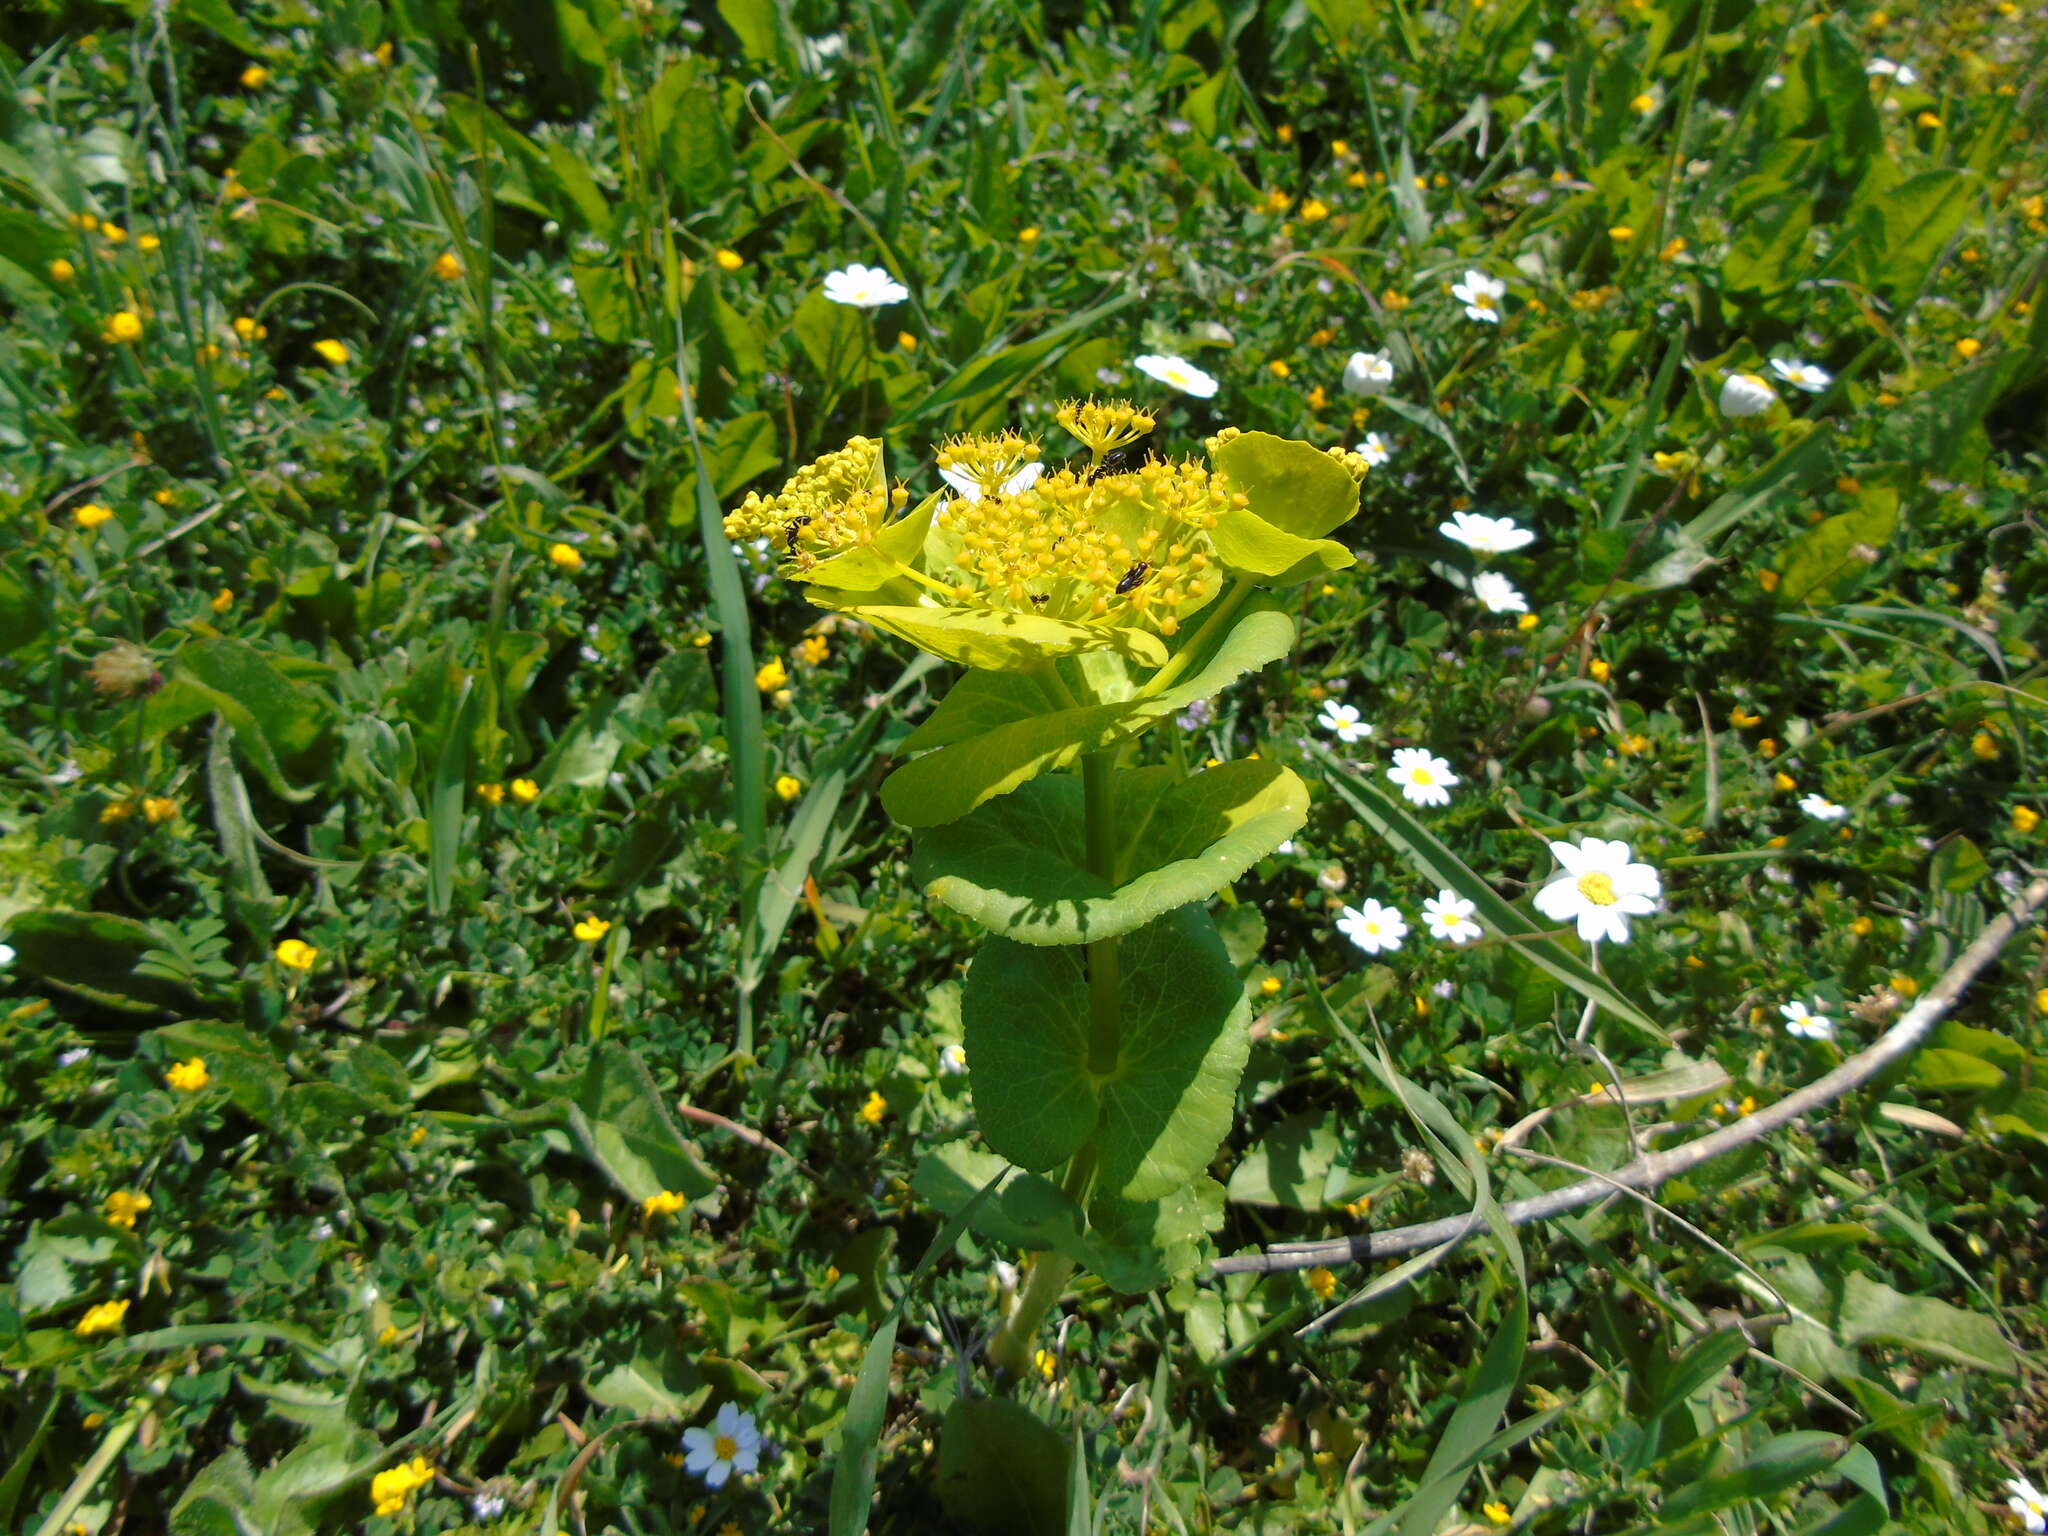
<point>724,1447</point>
<point>1598,888</point>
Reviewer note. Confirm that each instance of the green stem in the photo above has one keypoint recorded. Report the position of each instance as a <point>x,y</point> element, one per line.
<point>1009,1350</point>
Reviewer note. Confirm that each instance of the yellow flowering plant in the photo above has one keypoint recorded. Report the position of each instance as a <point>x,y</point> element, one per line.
<point>1089,603</point>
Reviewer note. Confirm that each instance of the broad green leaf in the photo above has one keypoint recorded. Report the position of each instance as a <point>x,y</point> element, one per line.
<point>1946,1071</point>
<point>1778,1464</point>
<point>1290,1165</point>
<point>1018,864</point>
<point>1142,1245</point>
<point>945,785</point>
<point>93,954</point>
<point>237,1060</point>
<point>1295,494</point>
<point>1000,1469</point>
<point>1896,238</point>
<point>1872,1311</point>
<point>996,640</point>
<point>1823,564</point>
<point>1384,815</point>
<point>626,1129</point>
<point>1157,1117</point>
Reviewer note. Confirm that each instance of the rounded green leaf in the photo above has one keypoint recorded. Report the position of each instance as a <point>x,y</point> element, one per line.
<point>1015,744</point>
<point>1295,494</point>
<point>1018,865</point>
<point>999,641</point>
<point>1158,1116</point>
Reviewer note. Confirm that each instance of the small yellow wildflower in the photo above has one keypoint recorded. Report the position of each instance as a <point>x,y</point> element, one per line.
<point>123,1206</point>
<point>729,260</point>
<point>1322,1282</point>
<point>1497,1512</point>
<point>1984,745</point>
<point>1930,120</point>
<point>1861,927</point>
<point>1278,368</point>
<point>248,329</point>
<point>566,556</point>
<point>1047,1362</point>
<point>104,1318</point>
<point>62,271</point>
<point>813,651</point>
<point>1314,211</point>
<point>392,1489</point>
<point>188,1076</point>
<point>331,351</point>
<point>91,515</point>
<point>117,810</point>
<point>906,341</point>
<point>296,955</point>
<point>1905,986</point>
<point>491,794</point>
<point>1028,235</point>
<point>148,242</point>
<point>1620,234</point>
<point>123,325</point>
<point>389,1336</point>
<point>1673,249</point>
<point>667,1203</point>
<point>1768,580</point>
<point>1742,719</point>
<point>788,787</point>
<point>255,77</point>
<point>1785,782</point>
<point>875,1110</point>
<point>1768,746</point>
<point>1968,347</point>
<point>771,677</point>
<point>1748,1105</point>
<point>113,234</point>
<point>1780,841</point>
<point>1633,745</point>
<point>1284,133</point>
<point>591,929</point>
<point>2041,1001</point>
<point>1395,300</point>
<point>525,791</point>
<point>1318,398</point>
<point>159,809</point>
<point>2024,819</point>
<point>1644,104</point>
<point>1357,180</point>
<point>1527,622</point>
<point>448,266</point>
<point>1270,985</point>
<point>1599,670</point>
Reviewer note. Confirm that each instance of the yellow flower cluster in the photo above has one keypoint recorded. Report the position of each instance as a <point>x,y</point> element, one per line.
<point>123,1206</point>
<point>832,504</point>
<point>1091,547</point>
<point>667,1203</point>
<point>104,1318</point>
<point>393,1488</point>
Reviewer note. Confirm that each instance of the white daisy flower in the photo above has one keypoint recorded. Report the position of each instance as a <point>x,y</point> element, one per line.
<point>864,287</point>
<point>2028,1503</point>
<point>1374,450</point>
<point>1807,1023</point>
<point>969,488</point>
<point>1176,373</point>
<point>1744,394</point>
<point>1481,296</point>
<point>732,1444</point>
<point>953,1059</point>
<point>1905,74</point>
<point>1424,778</point>
<point>1343,722</point>
<point>1486,535</point>
<point>1821,808</point>
<point>1496,594</point>
<point>1374,928</point>
<point>1368,373</point>
<point>1448,916</point>
<point>1599,889</point>
<point>1802,375</point>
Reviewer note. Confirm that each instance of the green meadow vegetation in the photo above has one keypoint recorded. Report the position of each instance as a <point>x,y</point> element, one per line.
<point>950,765</point>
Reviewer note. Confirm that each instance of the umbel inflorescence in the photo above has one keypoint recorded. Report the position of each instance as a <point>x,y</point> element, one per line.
<point>1016,561</point>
